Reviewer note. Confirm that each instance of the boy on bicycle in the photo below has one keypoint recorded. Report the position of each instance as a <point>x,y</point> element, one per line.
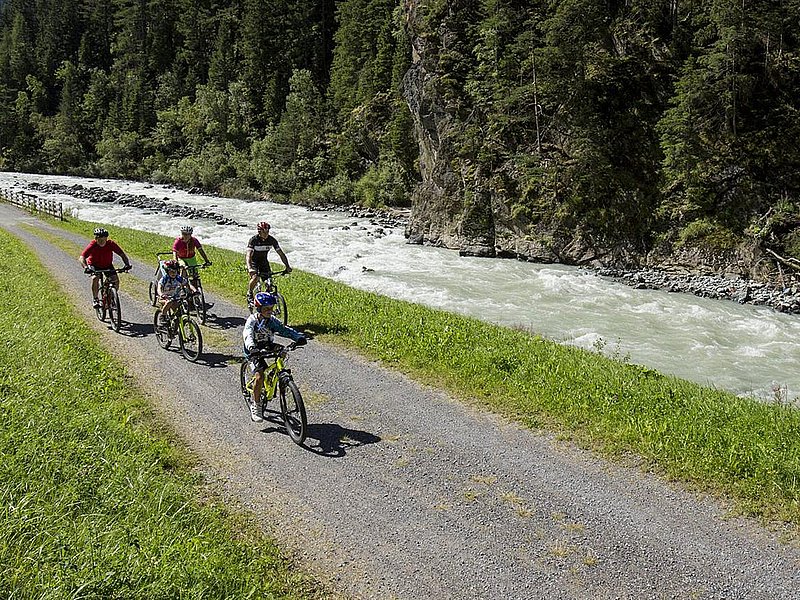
<point>99,255</point>
<point>169,289</point>
<point>256,257</point>
<point>258,334</point>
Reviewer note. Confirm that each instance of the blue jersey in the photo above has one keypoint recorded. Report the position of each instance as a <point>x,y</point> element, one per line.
<point>259,332</point>
<point>170,286</point>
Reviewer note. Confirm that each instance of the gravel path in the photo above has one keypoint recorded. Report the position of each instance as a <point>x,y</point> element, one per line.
<point>402,492</point>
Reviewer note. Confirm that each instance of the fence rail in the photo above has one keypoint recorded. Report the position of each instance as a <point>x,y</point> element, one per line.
<point>33,203</point>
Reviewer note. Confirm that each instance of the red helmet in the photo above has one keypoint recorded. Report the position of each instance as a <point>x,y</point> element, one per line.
<point>171,264</point>
<point>263,226</point>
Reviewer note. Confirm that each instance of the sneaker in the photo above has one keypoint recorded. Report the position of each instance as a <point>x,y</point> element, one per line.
<point>255,411</point>
<point>96,304</point>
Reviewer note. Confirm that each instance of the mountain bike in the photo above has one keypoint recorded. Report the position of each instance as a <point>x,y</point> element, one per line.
<point>198,299</point>
<point>266,283</point>
<point>108,297</point>
<point>181,325</point>
<point>278,381</point>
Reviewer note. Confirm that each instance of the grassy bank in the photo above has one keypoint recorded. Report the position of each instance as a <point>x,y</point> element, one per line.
<point>714,440</point>
<point>94,502</point>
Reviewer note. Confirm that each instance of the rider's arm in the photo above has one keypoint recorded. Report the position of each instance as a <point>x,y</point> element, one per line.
<point>248,333</point>
<point>248,257</point>
<point>285,260</point>
<point>121,253</point>
<point>203,254</point>
<point>282,330</point>
<point>85,253</point>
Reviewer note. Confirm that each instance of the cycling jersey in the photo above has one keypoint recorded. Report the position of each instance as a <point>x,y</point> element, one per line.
<point>101,257</point>
<point>259,332</point>
<point>184,250</point>
<point>171,286</point>
<point>260,247</point>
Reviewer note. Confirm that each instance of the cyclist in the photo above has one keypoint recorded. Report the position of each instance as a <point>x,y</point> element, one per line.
<point>258,334</point>
<point>99,254</point>
<point>169,288</point>
<point>183,250</point>
<point>256,256</point>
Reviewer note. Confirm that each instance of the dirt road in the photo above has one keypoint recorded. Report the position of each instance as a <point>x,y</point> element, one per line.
<point>402,492</point>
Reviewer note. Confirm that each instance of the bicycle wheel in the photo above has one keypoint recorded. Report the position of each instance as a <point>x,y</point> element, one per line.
<point>190,339</point>
<point>293,410</point>
<point>280,309</point>
<point>199,305</point>
<point>246,380</point>
<point>114,308</point>
<point>152,293</point>
<point>162,331</point>
<point>100,309</point>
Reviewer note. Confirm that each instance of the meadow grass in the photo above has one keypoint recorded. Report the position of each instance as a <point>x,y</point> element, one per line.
<point>95,500</point>
<point>743,448</point>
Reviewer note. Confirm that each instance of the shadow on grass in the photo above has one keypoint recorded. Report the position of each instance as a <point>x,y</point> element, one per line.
<point>319,328</point>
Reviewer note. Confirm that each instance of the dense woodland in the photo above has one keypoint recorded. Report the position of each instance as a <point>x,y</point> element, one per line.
<point>662,123</point>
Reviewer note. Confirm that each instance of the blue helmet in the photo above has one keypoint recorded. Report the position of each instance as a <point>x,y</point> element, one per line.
<point>264,299</point>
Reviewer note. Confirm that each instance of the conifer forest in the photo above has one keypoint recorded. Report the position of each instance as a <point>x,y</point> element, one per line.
<point>570,130</point>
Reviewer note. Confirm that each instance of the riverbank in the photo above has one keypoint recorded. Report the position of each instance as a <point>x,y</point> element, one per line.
<point>785,299</point>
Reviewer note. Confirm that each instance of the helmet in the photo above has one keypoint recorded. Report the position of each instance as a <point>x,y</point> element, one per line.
<point>171,264</point>
<point>264,299</point>
<point>263,225</point>
<point>100,232</point>
<point>187,229</point>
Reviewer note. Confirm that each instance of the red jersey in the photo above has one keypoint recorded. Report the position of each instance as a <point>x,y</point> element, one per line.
<point>101,257</point>
<point>184,250</point>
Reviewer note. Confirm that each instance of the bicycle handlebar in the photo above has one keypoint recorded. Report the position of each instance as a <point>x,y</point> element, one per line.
<point>269,352</point>
<point>90,270</point>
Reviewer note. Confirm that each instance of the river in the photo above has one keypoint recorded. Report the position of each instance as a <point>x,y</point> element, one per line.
<point>745,349</point>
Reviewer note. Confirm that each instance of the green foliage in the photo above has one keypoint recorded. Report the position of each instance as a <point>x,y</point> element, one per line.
<point>708,233</point>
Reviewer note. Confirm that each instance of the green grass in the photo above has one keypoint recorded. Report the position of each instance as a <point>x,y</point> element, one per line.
<point>95,501</point>
<point>744,449</point>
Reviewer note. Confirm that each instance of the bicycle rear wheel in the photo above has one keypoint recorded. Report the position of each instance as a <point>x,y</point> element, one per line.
<point>162,331</point>
<point>199,305</point>
<point>152,293</point>
<point>190,339</point>
<point>293,410</point>
<point>114,308</point>
<point>100,309</point>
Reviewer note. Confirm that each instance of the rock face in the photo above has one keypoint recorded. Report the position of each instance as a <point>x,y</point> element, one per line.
<point>451,206</point>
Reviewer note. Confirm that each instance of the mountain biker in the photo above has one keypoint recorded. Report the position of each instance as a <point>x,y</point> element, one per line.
<point>99,254</point>
<point>169,288</point>
<point>183,249</point>
<point>258,334</point>
<point>256,256</point>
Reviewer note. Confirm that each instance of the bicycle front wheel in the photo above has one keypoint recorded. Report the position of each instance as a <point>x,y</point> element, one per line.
<point>190,339</point>
<point>114,308</point>
<point>199,304</point>
<point>294,411</point>
<point>280,309</point>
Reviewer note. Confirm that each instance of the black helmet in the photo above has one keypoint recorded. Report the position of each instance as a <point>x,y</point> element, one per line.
<point>100,232</point>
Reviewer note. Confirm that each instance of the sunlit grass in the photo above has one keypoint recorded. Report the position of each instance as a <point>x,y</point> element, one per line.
<point>94,501</point>
<point>719,442</point>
